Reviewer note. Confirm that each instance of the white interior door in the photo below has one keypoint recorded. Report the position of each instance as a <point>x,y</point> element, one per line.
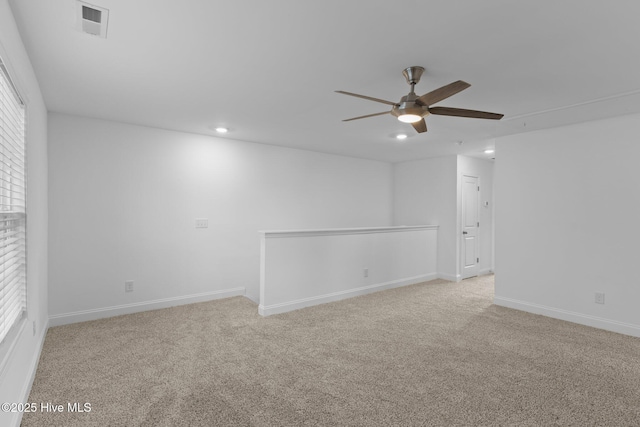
<point>470,223</point>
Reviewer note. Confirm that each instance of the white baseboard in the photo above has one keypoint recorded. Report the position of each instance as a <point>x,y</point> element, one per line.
<point>570,316</point>
<point>336,296</point>
<point>99,313</point>
<point>449,277</point>
<point>458,277</point>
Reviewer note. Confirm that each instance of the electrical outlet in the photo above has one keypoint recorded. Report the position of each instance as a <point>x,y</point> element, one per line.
<point>128,286</point>
<point>366,272</point>
<point>599,297</point>
<point>202,223</point>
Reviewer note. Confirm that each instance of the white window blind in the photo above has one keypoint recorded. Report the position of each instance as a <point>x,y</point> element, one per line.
<point>12,205</point>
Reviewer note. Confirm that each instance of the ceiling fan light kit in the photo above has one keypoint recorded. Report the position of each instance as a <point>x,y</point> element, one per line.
<point>413,108</point>
<point>409,118</point>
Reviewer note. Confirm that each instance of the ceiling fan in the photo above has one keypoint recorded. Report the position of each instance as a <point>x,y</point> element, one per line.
<point>413,108</point>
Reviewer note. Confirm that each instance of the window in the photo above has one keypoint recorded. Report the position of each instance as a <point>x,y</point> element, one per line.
<point>12,205</point>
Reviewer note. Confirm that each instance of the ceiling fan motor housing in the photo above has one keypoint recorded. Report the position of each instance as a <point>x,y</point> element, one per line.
<point>408,105</point>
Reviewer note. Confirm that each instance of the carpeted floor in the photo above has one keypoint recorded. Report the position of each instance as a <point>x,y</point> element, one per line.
<point>437,353</point>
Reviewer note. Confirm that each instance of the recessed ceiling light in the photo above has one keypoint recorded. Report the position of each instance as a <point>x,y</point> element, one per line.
<point>401,136</point>
<point>488,151</point>
<point>222,130</point>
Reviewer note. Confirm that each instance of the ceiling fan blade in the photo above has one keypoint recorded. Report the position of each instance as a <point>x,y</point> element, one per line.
<point>366,97</point>
<point>444,92</point>
<point>368,115</point>
<point>420,126</point>
<point>459,112</point>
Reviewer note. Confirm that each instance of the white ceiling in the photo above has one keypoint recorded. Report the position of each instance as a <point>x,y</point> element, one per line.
<point>268,69</point>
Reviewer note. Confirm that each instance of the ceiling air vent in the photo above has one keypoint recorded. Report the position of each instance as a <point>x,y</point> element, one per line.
<point>92,19</point>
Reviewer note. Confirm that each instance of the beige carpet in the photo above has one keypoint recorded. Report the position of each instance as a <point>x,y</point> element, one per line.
<point>437,353</point>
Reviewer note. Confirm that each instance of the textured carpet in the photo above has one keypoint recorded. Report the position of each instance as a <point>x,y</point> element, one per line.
<point>437,353</point>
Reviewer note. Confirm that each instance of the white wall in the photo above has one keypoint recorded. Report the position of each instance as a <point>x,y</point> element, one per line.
<point>425,192</point>
<point>19,355</point>
<point>483,169</point>
<point>304,268</point>
<point>567,205</point>
<point>429,192</point>
<point>124,198</point>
